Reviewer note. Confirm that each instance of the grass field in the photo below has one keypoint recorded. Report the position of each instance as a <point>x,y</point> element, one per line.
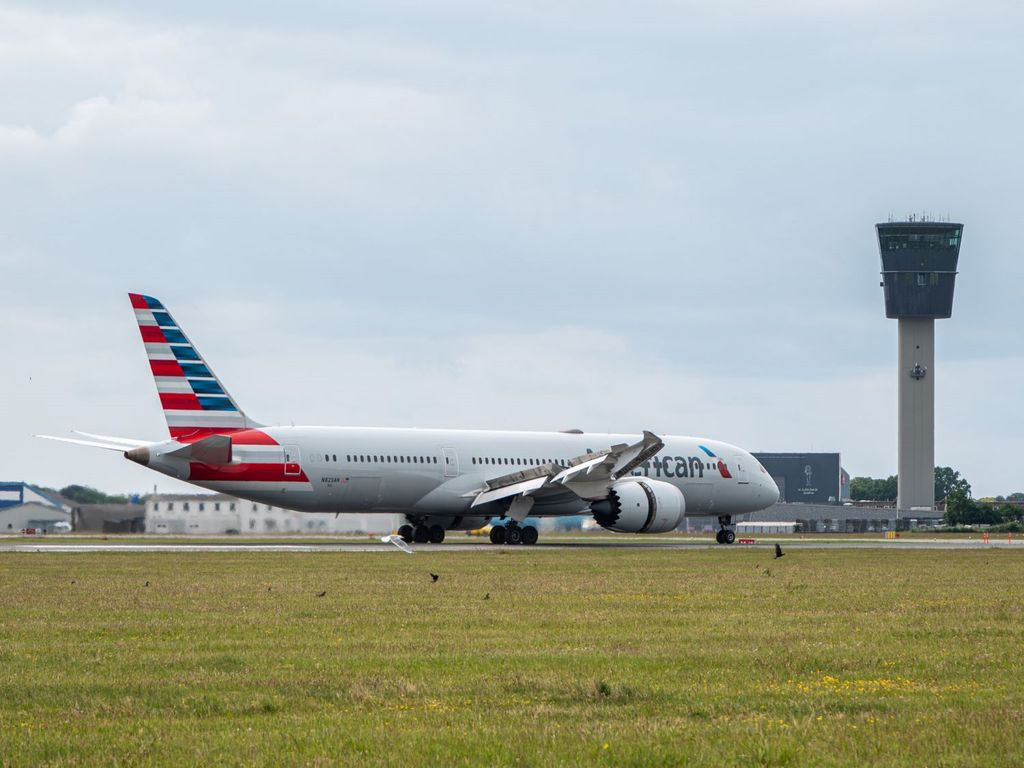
<point>620,657</point>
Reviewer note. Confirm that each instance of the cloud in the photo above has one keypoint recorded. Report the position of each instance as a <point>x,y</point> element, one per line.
<point>523,215</point>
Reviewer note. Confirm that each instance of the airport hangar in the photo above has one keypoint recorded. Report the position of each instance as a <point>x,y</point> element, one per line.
<point>814,493</point>
<point>26,506</point>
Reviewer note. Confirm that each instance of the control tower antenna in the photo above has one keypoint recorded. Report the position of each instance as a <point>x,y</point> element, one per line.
<point>919,263</point>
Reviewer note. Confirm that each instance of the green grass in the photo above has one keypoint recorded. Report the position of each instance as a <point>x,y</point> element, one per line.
<point>584,656</point>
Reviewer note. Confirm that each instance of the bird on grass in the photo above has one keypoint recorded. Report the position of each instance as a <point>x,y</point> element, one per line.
<point>147,583</point>
<point>321,594</point>
<point>778,552</point>
<point>487,596</point>
<point>434,577</point>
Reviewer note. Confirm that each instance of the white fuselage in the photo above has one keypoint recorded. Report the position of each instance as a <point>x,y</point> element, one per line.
<point>429,472</point>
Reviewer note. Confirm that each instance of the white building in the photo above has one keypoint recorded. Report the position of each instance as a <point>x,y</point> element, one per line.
<point>219,513</point>
<point>26,506</point>
<point>744,529</point>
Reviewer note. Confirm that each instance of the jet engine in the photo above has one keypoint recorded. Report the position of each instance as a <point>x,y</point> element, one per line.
<point>639,505</point>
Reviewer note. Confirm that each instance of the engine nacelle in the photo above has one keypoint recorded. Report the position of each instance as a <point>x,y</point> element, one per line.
<point>639,505</point>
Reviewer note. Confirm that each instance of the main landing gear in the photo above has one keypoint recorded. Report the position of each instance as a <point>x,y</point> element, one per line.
<point>725,535</point>
<point>514,533</point>
<point>421,534</point>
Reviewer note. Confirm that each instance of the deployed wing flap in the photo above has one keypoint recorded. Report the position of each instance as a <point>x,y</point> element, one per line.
<point>588,476</point>
<point>515,489</point>
<point>612,463</point>
<point>637,454</point>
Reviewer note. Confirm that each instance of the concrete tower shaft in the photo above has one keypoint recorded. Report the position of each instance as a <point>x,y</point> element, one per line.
<point>916,414</point>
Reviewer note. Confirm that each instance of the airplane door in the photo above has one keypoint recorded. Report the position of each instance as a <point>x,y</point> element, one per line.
<point>451,461</point>
<point>740,472</point>
<point>292,460</point>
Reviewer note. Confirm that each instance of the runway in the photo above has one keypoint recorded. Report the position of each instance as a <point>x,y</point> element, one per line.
<point>482,545</point>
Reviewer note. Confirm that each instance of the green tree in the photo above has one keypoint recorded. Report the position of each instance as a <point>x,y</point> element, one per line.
<point>959,508</point>
<point>872,489</point>
<point>83,494</point>
<point>1008,513</point>
<point>947,480</point>
<point>1018,496</point>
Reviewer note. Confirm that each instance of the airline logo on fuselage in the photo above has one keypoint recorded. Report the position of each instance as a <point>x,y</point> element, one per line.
<point>674,466</point>
<point>684,466</point>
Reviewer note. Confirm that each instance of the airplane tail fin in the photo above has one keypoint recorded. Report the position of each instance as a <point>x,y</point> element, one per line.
<point>194,401</point>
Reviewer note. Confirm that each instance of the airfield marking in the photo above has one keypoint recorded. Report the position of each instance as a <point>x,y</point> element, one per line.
<point>219,547</point>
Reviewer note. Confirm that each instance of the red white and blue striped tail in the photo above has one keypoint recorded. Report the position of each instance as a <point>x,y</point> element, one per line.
<point>195,403</point>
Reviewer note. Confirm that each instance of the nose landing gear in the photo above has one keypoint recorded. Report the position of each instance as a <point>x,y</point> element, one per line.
<point>725,535</point>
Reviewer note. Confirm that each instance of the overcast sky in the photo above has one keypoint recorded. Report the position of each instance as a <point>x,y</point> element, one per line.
<point>530,215</point>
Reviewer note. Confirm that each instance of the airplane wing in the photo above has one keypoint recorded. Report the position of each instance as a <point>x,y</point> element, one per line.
<point>588,476</point>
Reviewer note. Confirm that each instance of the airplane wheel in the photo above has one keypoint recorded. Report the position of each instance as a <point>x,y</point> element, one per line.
<point>436,534</point>
<point>719,537</point>
<point>405,531</point>
<point>530,535</point>
<point>729,536</point>
<point>420,534</point>
<point>498,534</point>
<point>514,535</point>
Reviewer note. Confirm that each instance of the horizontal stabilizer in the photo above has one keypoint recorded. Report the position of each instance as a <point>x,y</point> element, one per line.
<point>125,441</point>
<point>215,449</point>
<point>89,443</point>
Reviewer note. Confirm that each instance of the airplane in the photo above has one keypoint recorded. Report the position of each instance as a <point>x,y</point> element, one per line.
<point>440,479</point>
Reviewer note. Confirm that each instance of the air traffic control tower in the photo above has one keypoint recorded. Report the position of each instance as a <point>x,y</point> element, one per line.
<point>919,259</point>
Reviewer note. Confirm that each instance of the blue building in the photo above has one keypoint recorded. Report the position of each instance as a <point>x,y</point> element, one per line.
<point>26,506</point>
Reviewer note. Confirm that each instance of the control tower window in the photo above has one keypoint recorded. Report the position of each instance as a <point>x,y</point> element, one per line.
<point>943,238</point>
